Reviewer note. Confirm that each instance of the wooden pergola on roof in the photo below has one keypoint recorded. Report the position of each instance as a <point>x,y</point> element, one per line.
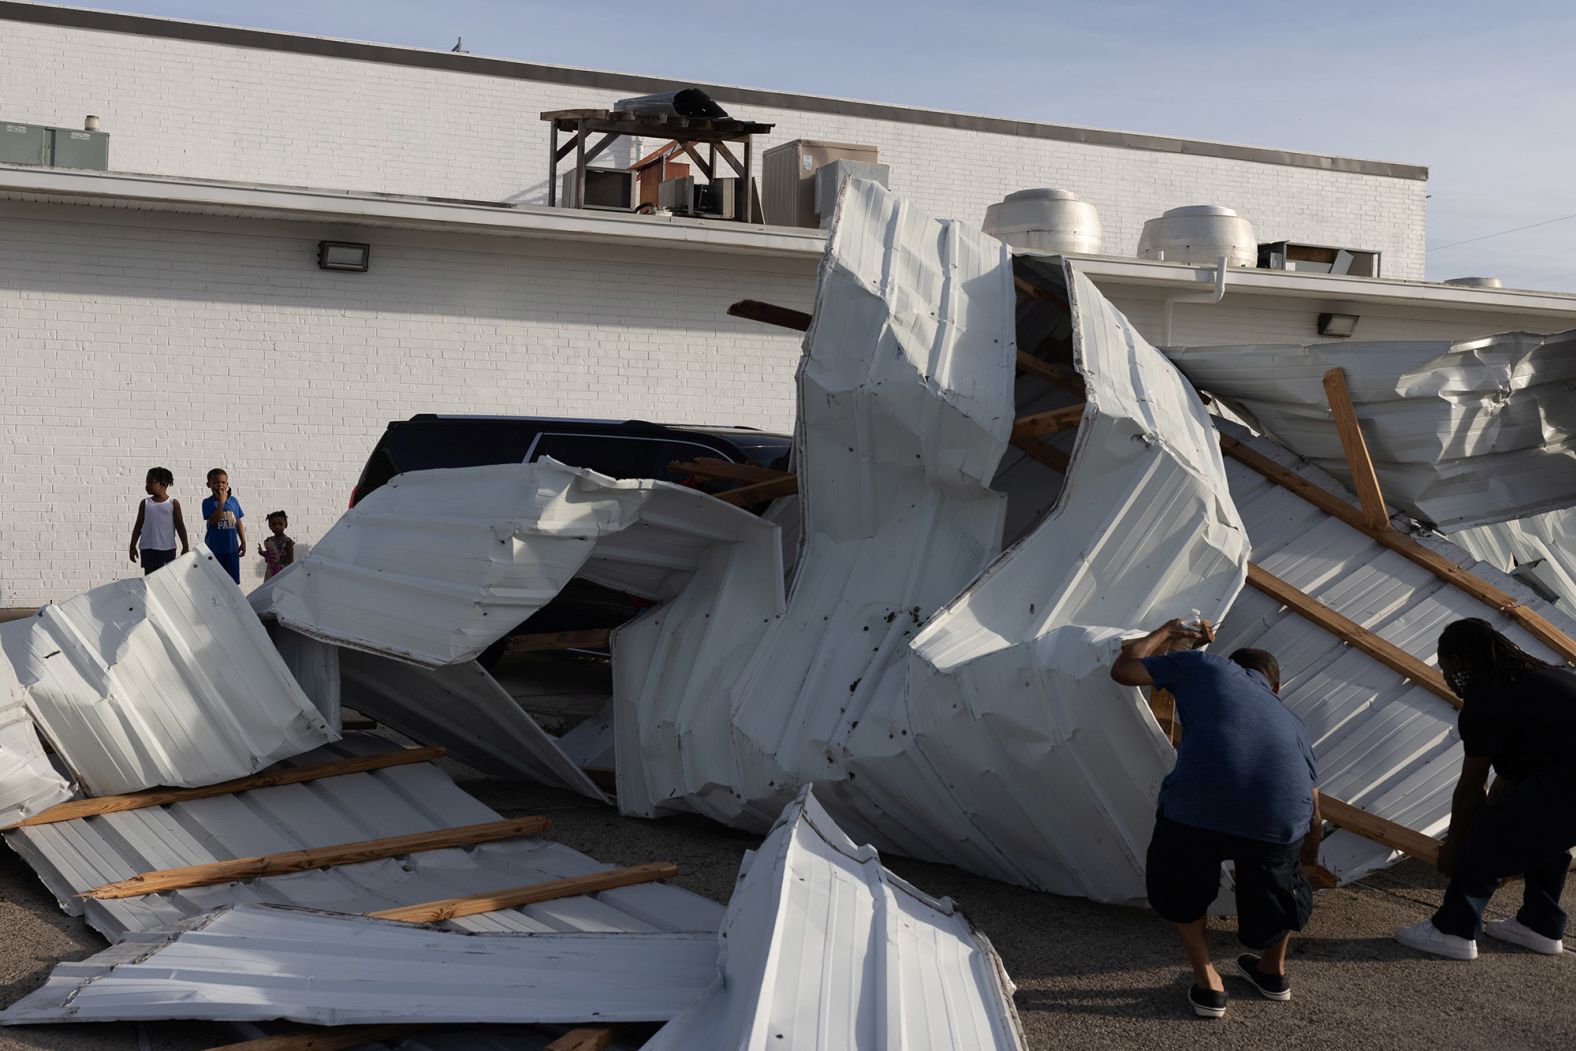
<point>688,132</point>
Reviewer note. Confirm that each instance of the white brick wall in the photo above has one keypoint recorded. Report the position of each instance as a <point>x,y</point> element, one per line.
<point>131,341</point>
<point>214,111</point>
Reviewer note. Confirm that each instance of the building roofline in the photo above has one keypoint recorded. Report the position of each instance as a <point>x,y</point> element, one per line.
<point>127,191</point>
<point>389,54</point>
<point>792,245</point>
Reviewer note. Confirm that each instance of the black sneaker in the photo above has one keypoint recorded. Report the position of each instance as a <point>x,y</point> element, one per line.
<point>1207,1003</point>
<point>1270,986</point>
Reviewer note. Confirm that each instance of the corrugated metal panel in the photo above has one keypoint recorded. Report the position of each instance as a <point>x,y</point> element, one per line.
<point>464,709</point>
<point>1380,742</point>
<point>258,962</point>
<point>942,734</point>
<point>1540,550</point>
<point>73,856</point>
<point>28,783</point>
<point>314,664</point>
<point>167,679</point>
<point>824,948</point>
<point>1461,433</point>
<point>437,565</point>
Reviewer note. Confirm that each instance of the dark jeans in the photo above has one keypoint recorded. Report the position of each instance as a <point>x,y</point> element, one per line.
<point>1529,832</point>
<point>152,560</point>
<point>230,562</point>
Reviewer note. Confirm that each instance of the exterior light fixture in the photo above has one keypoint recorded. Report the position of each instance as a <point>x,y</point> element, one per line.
<point>343,255</point>
<point>1337,325</point>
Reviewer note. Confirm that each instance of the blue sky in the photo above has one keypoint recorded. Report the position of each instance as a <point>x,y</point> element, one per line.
<point>1473,90</point>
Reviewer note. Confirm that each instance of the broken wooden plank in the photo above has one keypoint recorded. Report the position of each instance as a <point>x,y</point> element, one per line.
<point>595,1038</point>
<point>726,469</point>
<point>771,314</point>
<point>1053,374</point>
<point>1044,424</point>
<point>587,639</point>
<point>238,869</point>
<point>1380,830</point>
<point>1365,480</point>
<point>339,1038</point>
<point>98,805</point>
<point>1350,632</point>
<point>1405,546</point>
<point>1049,455</point>
<point>603,777</point>
<point>760,492</point>
<point>529,894</point>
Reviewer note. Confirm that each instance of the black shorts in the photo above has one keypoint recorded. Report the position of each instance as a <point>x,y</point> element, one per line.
<point>1182,876</point>
<point>152,560</point>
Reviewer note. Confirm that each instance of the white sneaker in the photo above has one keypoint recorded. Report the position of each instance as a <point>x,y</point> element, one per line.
<point>1425,937</point>
<point>1518,933</point>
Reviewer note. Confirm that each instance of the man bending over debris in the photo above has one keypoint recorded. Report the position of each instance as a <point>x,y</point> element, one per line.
<point>1242,791</point>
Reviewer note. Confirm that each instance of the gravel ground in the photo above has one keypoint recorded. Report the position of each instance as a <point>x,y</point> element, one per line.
<point>1087,975</point>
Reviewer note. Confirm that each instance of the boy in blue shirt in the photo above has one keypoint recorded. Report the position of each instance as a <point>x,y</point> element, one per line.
<point>226,536</point>
<point>1243,790</point>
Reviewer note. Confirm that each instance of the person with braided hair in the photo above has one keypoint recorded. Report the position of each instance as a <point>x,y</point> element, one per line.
<point>1518,719</point>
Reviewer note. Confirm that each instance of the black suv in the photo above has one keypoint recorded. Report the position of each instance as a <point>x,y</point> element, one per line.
<point>627,449</point>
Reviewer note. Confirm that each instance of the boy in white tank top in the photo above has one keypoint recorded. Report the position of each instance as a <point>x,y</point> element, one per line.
<point>158,523</point>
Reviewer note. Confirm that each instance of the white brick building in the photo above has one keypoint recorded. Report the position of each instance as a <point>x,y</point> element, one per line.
<point>170,311</point>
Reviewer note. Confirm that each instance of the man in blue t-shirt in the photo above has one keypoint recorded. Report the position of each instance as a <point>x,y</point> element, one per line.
<point>1242,791</point>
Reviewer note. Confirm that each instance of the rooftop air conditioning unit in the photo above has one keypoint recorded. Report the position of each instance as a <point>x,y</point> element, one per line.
<point>607,189</point>
<point>1318,259</point>
<point>707,200</point>
<point>788,177</point>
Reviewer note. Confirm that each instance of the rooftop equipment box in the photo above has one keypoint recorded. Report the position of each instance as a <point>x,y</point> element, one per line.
<point>23,144</point>
<point>788,172</point>
<point>61,147</point>
<point>71,148</point>
<point>607,189</point>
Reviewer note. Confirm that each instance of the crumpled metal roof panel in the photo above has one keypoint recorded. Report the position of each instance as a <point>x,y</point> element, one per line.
<point>1461,434</point>
<point>437,565</point>
<point>942,734</point>
<point>1540,550</point>
<point>262,962</point>
<point>823,947</point>
<point>1381,742</point>
<point>467,711</point>
<point>166,679</point>
<point>73,856</point>
<point>28,782</point>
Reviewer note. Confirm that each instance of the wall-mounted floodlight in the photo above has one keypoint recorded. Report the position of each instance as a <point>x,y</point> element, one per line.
<point>1337,325</point>
<point>343,255</point>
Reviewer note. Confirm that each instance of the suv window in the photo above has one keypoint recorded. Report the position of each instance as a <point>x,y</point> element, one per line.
<point>457,443</point>
<point>623,456</point>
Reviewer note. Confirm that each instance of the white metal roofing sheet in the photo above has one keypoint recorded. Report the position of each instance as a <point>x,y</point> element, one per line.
<point>464,709</point>
<point>258,962</point>
<point>942,735</point>
<point>824,948</point>
<point>74,856</point>
<point>166,679</point>
<point>1540,549</point>
<point>28,782</point>
<point>1461,434</point>
<point>436,565</point>
<point>1380,742</point>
